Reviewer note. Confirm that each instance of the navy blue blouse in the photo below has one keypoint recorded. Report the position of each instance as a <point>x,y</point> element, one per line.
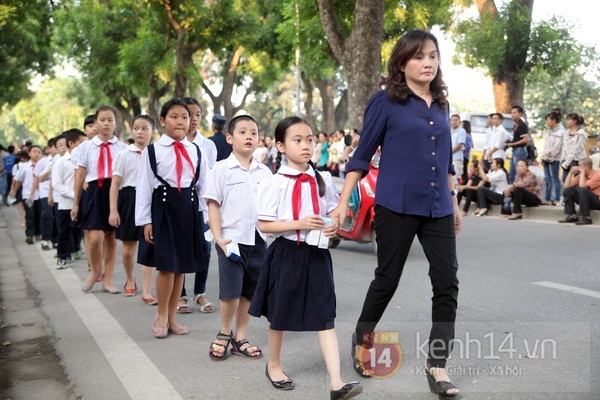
<point>416,155</point>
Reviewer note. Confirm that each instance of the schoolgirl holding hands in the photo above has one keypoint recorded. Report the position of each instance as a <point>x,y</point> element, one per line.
<point>296,289</point>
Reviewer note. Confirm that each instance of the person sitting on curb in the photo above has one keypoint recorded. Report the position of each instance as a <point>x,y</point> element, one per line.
<point>525,190</point>
<point>498,180</point>
<point>582,186</point>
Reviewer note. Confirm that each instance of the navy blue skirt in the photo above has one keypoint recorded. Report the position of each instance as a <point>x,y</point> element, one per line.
<point>127,231</point>
<point>295,290</point>
<point>95,207</point>
<point>177,231</point>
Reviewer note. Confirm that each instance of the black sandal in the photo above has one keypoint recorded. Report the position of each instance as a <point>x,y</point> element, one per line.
<point>440,388</point>
<point>236,349</point>
<point>359,366</point>
<point>217,351</point>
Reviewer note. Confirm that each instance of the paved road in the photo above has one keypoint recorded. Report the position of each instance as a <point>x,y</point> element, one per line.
<point>528,316</point>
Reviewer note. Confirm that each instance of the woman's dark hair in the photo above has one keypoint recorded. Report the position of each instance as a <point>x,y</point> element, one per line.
<point>280,133</point>
<point>234,121</point>
<point>525,161</point>
<point>500,163</point>
<point>577,118</point>
<point>553,116</point>
<point>466,126</point>
<point>172,103</point>
<point>407,47</point>
<point>104,108</point>
<point>145,118</point>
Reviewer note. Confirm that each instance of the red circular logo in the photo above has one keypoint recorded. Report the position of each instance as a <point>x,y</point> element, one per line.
<point>380,353</point>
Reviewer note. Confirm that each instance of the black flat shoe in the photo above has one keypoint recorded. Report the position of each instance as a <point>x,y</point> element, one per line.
<point>286,384</point>
<point>348,391</point>
<point>358,365</point>
<point>440,388</point>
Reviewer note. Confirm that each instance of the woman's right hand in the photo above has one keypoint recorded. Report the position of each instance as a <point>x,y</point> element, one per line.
<point>339,213</point>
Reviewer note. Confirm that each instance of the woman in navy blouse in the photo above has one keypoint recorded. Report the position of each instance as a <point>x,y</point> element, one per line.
<point>409,119</point>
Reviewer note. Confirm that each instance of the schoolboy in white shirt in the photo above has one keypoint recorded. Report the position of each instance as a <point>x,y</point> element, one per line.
<point>24,177</point>
<point>233,219</point>
<point>63,183</point>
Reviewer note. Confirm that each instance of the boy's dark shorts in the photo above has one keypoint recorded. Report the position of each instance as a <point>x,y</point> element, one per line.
<point>239,278</point>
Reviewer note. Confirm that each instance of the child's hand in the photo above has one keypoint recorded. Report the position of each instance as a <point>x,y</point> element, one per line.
<point>312,222</point>
<point>114,219</point>
<point>148,233</point>
<point>332,229</point>
<point>223,244</point>
<point>74,212</point>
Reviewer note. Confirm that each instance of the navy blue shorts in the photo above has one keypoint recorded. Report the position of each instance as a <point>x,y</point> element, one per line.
<point>239,278</point>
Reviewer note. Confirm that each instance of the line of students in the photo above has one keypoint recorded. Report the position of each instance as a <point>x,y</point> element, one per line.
<point>170,191</point>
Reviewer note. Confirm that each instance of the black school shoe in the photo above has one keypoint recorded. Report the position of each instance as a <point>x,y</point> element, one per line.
<point>584,221</point>
<point>570,219</point>
<point>286,384</point>
<point>348,391</point>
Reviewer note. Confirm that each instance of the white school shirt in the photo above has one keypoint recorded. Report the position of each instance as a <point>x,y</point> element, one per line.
<point>25,176</point>
<point>275,199</point>
<point>55,159</point>
<point>165,166</point>
<point>234,187</point>
<point>125,165</point>
<point>63,182</point>
<point>90,151</point>
<point>40,168</point>
<point>208,148</point>
<point>209,152</point>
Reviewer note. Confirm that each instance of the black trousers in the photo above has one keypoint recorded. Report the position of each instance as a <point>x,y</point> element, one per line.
<point>47,220</point>
<point>486,196</point>
<point>521,197</point>
<point>66,234</point>
<point>395,234</point>
<point>33,217</point>
<point>469,195</point>
<point>586,199</point>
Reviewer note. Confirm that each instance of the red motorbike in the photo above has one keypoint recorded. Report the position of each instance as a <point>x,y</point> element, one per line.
<point>358,225</point>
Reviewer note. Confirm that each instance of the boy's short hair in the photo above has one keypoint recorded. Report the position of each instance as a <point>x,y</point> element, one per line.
<point>235,120</point>
<point>73,135</point>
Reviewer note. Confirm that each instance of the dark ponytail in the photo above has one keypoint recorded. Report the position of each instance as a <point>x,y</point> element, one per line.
<point>320,180</point>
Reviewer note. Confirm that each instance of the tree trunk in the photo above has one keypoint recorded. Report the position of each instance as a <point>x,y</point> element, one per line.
<point>341,111</point>
<point>326,91</point>
<point>230,81</point>
<point>509,83</point>
<point>308,103</point>
<point>359,53</point>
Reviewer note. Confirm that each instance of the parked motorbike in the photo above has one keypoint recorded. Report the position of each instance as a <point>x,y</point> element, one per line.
<point>358,225</point>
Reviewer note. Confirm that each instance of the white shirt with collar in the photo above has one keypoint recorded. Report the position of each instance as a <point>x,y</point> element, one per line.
<point>165,165</point>
<point>275,198</point>
<point>25,176</point>
<point>40,168</point>
<point>63,182</point>
<point>125,165</point>
<point>234,188</point>
<point>89,153</point>
<point>209,150</point>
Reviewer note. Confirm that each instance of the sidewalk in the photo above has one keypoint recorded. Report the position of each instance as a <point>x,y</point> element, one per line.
<point>28,360</point>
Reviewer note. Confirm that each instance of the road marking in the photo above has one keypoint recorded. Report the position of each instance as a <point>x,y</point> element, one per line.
<point>567,288</point>
<point>141,379</point>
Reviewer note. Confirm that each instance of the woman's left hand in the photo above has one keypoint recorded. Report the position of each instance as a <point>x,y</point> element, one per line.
<point>457,218</point>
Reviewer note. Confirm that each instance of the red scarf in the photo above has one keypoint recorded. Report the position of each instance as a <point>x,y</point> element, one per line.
<point>297,196</point>
<point>181,151</point>
<point>104,147</point>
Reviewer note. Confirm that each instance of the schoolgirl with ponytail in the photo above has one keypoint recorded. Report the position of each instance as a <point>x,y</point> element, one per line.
<point>295,290</point>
